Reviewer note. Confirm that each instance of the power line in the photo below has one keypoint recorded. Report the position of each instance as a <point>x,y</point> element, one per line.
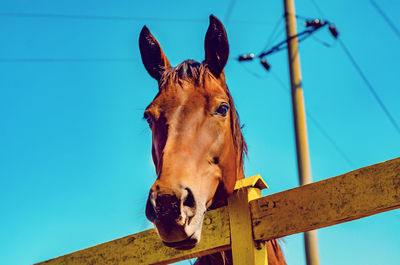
<point>252,72</point>
<point>358,68</point>
<point>312,119</point>
<point>317,124</point>
<point>229,11</point>
<point>118,18</point>
<point>95,17</point>
<point>369,85</point>
<point>311,27</point>
<point>273,35</point>
<point>64,60</point>
<point>386,18</point>
<point>329,138</point>
<point>322,42</point>
<point>281,82</point>
<point>318,8</point>
<point>300,17</point>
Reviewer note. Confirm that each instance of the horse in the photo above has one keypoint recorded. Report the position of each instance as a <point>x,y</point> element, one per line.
<point>197,143</point>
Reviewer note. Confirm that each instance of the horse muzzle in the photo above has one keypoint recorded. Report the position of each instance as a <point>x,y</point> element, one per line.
<point>188,243</point>
<point>177,217</point>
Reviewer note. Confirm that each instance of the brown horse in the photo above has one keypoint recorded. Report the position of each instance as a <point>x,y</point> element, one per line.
<point>197,144</point>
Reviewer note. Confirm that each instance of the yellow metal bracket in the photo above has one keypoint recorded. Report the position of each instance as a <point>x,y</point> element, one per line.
<point>255,181</point>
<point>245,251</point>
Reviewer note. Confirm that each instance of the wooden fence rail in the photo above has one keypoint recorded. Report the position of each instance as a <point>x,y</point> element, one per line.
<point>357,194</point>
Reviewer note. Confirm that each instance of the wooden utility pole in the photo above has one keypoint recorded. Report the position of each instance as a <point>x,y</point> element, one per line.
<point>299,117</point>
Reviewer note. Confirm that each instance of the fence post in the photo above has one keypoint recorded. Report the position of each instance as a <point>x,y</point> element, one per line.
<point>245,251</point>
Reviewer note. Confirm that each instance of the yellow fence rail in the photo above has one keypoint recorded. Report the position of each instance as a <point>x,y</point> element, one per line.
<point>250,219</point>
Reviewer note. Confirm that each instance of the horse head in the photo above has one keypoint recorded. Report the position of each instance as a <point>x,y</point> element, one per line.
<point>197,145</point>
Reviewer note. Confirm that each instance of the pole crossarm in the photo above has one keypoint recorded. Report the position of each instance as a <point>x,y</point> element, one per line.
<point>357,194</point>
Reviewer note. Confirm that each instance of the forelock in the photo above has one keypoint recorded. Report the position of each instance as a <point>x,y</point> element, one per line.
<point>188,70</point>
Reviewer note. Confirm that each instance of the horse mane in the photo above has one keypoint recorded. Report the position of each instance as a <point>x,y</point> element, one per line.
<point>238,139</point>
<point>192,71</point>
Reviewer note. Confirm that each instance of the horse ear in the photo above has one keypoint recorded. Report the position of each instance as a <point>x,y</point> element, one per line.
<point>153,57</point>
<point>216,46</point>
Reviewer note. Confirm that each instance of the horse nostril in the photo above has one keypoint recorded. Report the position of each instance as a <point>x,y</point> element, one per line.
<point>189,200</point>
<point>150,212</point>
<point>167,208</point>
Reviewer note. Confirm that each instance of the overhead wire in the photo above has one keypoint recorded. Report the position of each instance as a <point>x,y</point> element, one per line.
<point>300,16</point>
<point>300,37</point>
<point>252,72</point>
<point>322,42</point>
<point>65,60</point>
<point>330,139</point>
<point>117,18</point>
<point>274,33</point>
<point>230,8</point>
<point>386,18</point>
<point>317,124</point>
<point>361,73</point>
<point>280,46</point>
<point>369,85</point>
<point>309,115</point>
<point>319,10</point>
<point>229,11</point>
<point>96,17</point>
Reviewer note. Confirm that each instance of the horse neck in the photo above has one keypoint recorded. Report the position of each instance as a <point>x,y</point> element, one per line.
<point>240,173</point>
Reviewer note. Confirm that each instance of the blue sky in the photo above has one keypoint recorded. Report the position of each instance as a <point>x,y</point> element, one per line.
<point>75,154</point>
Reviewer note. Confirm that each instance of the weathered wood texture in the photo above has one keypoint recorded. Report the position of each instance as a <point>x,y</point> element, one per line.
<point>360,193</point>
<point>146,247</point>
<point>350,196</point>
<point>244,250</point>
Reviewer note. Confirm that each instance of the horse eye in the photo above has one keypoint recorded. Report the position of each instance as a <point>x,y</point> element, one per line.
<point>222,110</point>
<point>148,119</point>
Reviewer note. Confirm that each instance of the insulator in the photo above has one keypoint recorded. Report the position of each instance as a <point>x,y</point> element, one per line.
<point>316,23</point>
<point>333,31</point>
<point>246,57</point>
<point>309,23</point>
<point>265,64</point>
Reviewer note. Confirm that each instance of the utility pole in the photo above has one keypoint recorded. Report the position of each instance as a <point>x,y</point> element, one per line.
<point>299,117</point>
